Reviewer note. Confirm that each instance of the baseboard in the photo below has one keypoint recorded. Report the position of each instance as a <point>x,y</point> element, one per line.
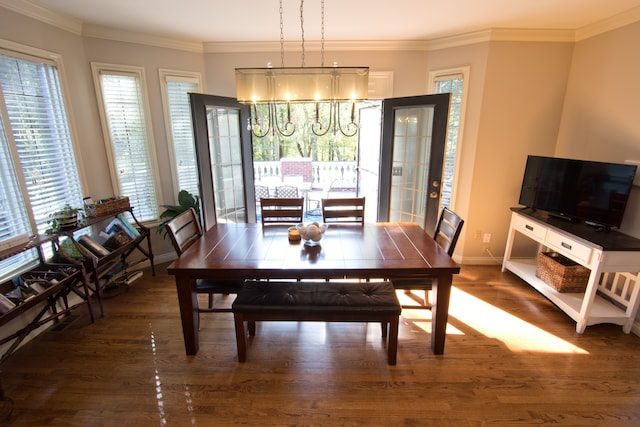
<point>635,329</point>
<point>485,260</point>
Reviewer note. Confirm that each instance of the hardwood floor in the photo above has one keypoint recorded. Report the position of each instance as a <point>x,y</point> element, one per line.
<point>511,359</point>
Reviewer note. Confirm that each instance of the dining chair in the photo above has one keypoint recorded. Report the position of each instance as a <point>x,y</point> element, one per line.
<point>343,210</point>
<point>282,210</point>
<point>446,235</point>
<point>287,191</point>
<point>184,230</point>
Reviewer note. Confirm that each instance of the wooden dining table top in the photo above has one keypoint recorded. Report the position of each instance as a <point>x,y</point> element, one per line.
<point>247,251</point>
<point>369,251</point>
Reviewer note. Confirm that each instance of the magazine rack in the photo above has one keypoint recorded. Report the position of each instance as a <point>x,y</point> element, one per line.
<point>104,266</point>
<point>48,300</point>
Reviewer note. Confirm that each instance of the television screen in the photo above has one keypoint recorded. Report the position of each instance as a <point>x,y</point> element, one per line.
<point>595,192</point>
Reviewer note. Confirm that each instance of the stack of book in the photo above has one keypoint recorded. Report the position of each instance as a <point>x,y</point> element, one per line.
<point>34,282</point>
<point>119,232</point>
<point>5,304</point>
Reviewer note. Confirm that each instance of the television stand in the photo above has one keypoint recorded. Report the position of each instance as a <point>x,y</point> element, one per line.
<point>612,292</point>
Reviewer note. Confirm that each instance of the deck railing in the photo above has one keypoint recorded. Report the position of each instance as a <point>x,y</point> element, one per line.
<point>323,173</point>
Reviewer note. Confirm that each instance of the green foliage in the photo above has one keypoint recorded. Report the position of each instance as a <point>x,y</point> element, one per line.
<point>186,201</point>
<point>59,219</point>
<point>303,143</point>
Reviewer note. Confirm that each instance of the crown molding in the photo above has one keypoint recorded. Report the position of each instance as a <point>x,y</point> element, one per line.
<point>64,22</point>
<point>496,34</point>
<point>75,26</point>
<point>313,46</point>
<point>532,35</point>
<point>100,32</point>
<point>617,21</point>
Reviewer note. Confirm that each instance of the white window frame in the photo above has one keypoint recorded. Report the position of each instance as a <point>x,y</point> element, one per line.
<point>97,69</point>
<point>13,176</point>
<point>167,76</point>
<point>432,78</point>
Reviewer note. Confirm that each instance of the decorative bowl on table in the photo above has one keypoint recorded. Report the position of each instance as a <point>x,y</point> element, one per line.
<point>311,232</point>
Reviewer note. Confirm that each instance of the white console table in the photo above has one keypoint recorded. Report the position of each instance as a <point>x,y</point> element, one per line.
<point>612,292</point>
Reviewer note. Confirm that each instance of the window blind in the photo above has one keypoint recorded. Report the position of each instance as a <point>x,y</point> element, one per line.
<point>38,123</point>
<point>35,140</point>
<point>13,215</point>
<point>125,116</point>
<point>179,108</point>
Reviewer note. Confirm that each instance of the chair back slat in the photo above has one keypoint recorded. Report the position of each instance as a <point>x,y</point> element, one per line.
<point>285,210</point>
<point>184,230</point>
<point>343,210</point>
<point>448,230</point>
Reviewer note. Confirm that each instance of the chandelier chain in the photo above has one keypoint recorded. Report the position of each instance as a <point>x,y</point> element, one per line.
<point>279,88</point>
<point>302,28</point>
<point>281,38</point>
<point>322,33</point>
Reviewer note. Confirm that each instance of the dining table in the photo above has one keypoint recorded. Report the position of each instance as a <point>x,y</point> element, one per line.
<point>380,250</point>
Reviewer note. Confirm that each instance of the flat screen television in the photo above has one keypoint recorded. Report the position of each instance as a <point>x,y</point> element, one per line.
<point>593,192</point>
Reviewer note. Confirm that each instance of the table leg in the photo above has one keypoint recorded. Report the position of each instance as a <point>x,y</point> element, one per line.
<point>441,291</point>
<point>188,301</point>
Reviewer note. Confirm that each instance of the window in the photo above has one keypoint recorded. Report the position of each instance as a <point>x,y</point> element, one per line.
<point>453,81</point>
<point>37,161</point>
<point>126,124</point>
<point>176,86</point>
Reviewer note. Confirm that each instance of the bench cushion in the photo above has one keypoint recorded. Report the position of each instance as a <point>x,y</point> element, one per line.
<point>319,297</point>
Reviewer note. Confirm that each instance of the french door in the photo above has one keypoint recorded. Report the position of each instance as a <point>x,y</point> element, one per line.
<point>225,164</point>
<point>414,133</point>
<point>404,175</point>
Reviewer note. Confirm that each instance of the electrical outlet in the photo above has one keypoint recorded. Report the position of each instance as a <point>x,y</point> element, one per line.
<point>486,238</point>
<point>396,171</point>
<point>478,235</point>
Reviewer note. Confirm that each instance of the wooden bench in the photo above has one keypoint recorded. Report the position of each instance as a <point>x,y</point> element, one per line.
<point>319,302</point>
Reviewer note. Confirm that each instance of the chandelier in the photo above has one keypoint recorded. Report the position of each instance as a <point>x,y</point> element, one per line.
<point>285,85</point>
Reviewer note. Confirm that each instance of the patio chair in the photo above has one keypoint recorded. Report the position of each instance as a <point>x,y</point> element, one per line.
<point>287,191</point>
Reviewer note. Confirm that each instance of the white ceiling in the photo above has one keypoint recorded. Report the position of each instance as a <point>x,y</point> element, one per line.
<point>345,20</point>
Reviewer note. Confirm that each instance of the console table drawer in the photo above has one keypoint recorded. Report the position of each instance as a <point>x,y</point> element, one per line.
<point>530,228</point>
<point>568,246</point>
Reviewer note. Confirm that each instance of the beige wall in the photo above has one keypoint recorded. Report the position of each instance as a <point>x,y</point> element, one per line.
<point>523,95</point>
<point>408,67</point>
<point>601,116</point>
<point>516,106</point>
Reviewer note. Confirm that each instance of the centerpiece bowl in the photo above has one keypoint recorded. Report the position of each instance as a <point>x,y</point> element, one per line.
<point>311,233</point>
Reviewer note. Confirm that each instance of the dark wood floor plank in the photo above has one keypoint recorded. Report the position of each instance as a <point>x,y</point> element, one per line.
<point>518,361</point>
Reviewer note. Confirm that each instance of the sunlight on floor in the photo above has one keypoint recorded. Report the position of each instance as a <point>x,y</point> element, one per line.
<point>515,333</point>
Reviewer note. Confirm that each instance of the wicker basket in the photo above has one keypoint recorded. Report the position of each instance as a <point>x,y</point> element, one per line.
<point>108,206</point>
<point>562,273</point>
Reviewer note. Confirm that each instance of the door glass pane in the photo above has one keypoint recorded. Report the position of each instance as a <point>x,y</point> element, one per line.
<point>226,164</point>
<point>410,164</point>
<point>454,84</point>
<point>369,158</point>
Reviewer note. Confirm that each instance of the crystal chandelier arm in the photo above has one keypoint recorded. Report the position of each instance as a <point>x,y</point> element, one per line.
<point>352,126</point>
<point>289,127</point>
<point>255,123</point>
<point>317,126</point>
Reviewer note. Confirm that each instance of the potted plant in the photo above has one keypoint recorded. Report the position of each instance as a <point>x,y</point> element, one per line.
<point>67,217</point>
<point>186,200</point>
